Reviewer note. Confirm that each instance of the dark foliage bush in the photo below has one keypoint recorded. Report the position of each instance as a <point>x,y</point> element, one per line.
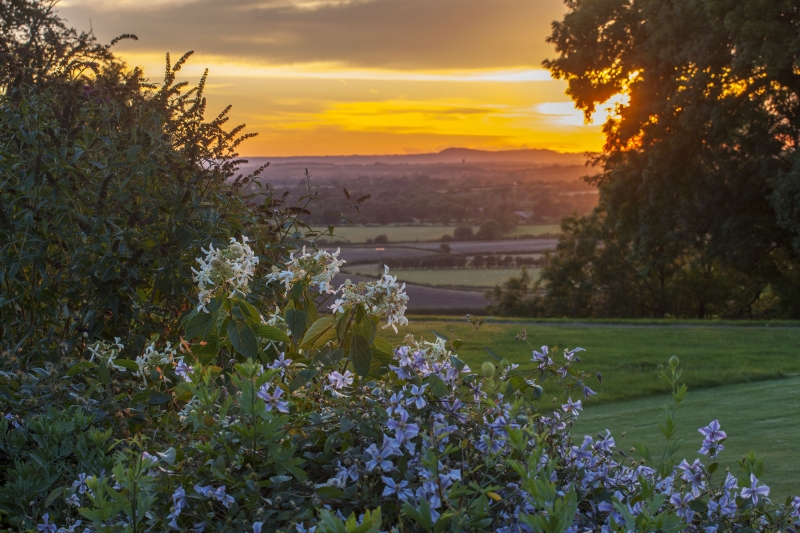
<point>109,187</point>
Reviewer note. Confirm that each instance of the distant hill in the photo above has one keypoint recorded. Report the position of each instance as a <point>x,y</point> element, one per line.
<point>448,156</point>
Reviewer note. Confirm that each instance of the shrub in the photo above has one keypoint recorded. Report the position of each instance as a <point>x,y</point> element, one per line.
<point>490,230</point>
<point>109,186</point>
<point>283,420</point>
<point>463,233</point>
<point>381,239</point>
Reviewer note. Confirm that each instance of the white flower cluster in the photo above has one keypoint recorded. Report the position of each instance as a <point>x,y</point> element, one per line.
<point>230,268</point>
<point>152,359</point>
<point>318,268</point>
<point>106,353</point>
<point>382,297</point>
<point>432,351</point>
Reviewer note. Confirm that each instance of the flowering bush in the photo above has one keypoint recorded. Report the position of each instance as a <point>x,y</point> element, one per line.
<point>315,423</point>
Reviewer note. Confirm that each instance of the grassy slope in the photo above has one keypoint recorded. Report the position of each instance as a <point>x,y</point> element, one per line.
<point>628,357</point>
<point>764,417</point>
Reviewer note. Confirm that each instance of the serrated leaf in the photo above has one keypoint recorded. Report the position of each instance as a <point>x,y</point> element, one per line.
<point>197,324</point>
<point>360,355</point>
<point>243,339</point>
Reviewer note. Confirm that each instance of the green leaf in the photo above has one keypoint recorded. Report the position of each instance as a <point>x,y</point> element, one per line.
<point>320,332</point>
<point>328,356</point>
<point>243,339</point>
<point>360,355</point>
<point>205,353</point>
<point>77,368</point>
<point>198,324</point>
<point>367,329</point>
<point>130,155</point>
<point>438,387</point>
<point>104,375</point>
<point>382,345</point>
<point>492,354</point>
<point>157,398</point>
<point>127,364</point>
<point>445,338</point>
<point>271,333</point>
<point>457,363</point>
<point>249,313</point>
<point>297,289</point>
<point>296,320</point>
<point>53,495</point>
<point>302,378</point>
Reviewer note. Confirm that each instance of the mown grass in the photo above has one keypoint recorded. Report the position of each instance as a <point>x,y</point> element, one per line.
<point>446,277</point>
<point>764,417</point>
<point>628,356</point>
<point>360,234</point>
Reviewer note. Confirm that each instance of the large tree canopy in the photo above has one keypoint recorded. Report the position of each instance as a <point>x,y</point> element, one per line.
<point>699,209</point>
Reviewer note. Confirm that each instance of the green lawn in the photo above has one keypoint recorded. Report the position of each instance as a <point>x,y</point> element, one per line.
<point>360,234</point>
<point>764,417</point>
<point>461,277</point>
<point>628,356</point>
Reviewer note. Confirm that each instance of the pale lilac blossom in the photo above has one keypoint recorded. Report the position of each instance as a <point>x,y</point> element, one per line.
<point>754,490</point>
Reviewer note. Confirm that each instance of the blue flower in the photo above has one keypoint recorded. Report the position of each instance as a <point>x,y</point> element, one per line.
<point>754,490</point>
<point>46,526</point>
<point>273,400</point>
<point>400,489</point>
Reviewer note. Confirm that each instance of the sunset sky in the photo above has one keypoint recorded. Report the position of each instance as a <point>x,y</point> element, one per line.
<point>336,77</point>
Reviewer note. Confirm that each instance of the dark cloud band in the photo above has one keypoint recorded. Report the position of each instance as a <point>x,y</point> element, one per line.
<point>393,34</point>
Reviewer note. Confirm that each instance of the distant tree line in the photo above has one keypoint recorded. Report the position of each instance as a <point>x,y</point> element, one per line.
<point>454,201</point>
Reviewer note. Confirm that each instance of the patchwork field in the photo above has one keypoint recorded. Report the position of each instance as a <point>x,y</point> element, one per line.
<point>463,277</point>
<point>421,233</point>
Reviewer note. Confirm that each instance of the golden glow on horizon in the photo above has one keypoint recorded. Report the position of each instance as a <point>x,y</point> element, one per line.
<point>329,109</point>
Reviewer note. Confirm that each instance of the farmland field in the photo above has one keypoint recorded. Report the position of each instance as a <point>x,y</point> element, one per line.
<point>459,277</point>
<point>628,356</point>
<point>759,416</point>
<point>360,234</point>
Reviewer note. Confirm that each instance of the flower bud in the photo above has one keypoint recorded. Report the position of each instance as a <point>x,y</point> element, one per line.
<point>674,362</point>
<point>488,370</point>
